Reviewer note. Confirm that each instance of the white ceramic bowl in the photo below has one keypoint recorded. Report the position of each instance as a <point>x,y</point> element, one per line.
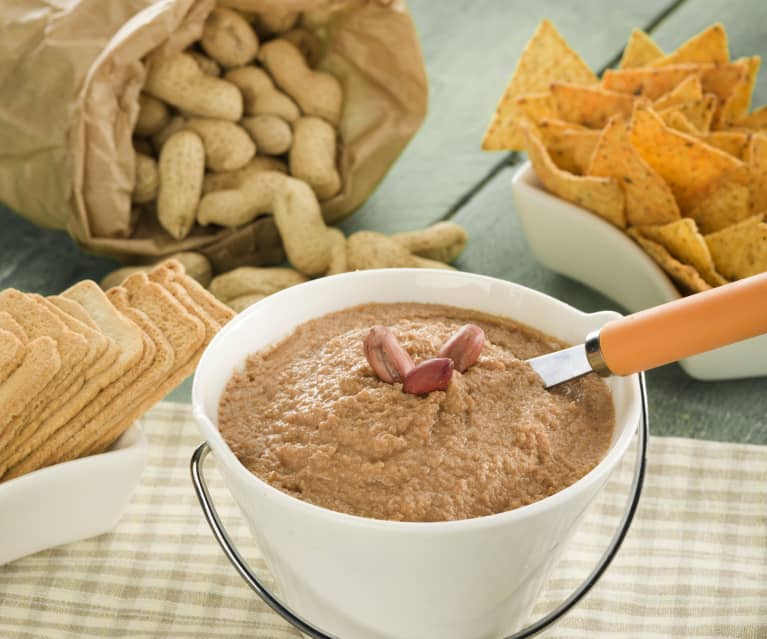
<point>372,579</point>
<point>579,244</point>
<point>70,501</point>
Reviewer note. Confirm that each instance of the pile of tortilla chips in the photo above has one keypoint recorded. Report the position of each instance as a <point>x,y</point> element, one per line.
<point>663,147</point>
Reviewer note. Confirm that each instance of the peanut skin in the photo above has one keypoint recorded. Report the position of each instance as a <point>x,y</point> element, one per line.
<point>275,102</point>
<point>313,156</point>
<point>237,206</point>
<point>181,169</point>
<point>337,252</point>
<point>228,38</point>
<point>296,211</point>
<point>316,18</point>
<point>228,146</point>
<point>251,81</point>
<point>153,115</point>
<point>207,66</point>
<point>386,356</point>
<point>368,249</point>
<point>250,280</point>
<point>146,179</point>
<point>178,80</point>
<point>116,277</point>
<point>317,93</point>
<point>430,375</point>
<point>196,265</point>
<point>176,123</point>
<point>464,346</point>
<point>274,22</point>
<point>443,241</point>
<point>239,304</point>
<point>299,220</point>
<point>235,179</point>
<point>271,133</point>
<point>260,96</point>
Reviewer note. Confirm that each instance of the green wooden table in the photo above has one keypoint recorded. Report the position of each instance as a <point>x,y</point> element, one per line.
<point>471,48</point>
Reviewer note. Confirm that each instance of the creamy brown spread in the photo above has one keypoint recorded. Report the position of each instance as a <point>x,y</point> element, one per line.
<point>311,418</point>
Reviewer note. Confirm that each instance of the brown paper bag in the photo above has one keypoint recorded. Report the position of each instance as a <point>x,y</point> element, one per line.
<point>70,76</point>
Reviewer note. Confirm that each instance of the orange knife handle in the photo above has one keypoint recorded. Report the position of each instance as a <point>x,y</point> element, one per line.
<point>685,327</point>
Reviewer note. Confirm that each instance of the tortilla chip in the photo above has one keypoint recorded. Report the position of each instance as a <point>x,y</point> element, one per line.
<point>689,90</point>
<point>546,58</point>
<point>675,119</point>
<point>757,119</point>
<point>724,203</point>
<point>701,113</point>
<point>533,106</point>
<point>738,104</point>
<point>640,50</point>
<point>740,250</point>
<point>687,279</point>
<point>536,106</point>
<point>685,243</point>
<point>603,196</point>
<point>710,45</point>
<point>590,106</point>
<point>562,140</point>
<point>697,115</point>
<point>653,82</point>
<point>688,165</point>
<point>733,142</point>
<point>757,168</point>
<point>649,200</point>
<point>583,143</point>
<point>555,126</point>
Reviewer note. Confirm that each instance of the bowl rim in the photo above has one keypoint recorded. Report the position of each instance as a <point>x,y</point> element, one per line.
<point>525,177</point>
<point>231,463</point>
<point>125,446</point>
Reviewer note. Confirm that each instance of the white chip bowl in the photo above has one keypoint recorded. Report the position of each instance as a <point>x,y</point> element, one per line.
<point>577,243</point>
<point>372,579</point>
<point>70,501</point>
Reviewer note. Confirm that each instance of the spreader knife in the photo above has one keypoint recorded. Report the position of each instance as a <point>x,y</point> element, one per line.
<point>664,334</point>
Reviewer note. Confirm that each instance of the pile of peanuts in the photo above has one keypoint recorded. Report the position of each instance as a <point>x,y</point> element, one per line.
<point>241,125</point>
<point>238,126</point>
<point>433,247</point>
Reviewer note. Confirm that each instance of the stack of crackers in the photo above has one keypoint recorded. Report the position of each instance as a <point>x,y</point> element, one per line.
<point>77,369</point>
<point>663,147</point>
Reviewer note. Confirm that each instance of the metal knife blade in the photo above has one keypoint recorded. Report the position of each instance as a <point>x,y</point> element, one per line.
<point>561,366</point>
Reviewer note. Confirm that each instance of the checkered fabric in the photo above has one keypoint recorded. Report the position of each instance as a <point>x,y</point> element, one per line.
<point>693,565</point>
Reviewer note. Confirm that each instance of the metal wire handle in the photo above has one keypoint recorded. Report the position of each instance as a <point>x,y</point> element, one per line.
<point>240,565</point>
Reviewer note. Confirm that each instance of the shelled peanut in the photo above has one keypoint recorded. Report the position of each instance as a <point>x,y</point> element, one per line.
<point>196,266</point>
<point>317,251</point>
<point>362,250</point>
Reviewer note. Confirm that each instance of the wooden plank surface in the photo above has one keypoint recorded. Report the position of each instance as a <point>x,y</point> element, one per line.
<point>42,261</point>
<point>679,406</point>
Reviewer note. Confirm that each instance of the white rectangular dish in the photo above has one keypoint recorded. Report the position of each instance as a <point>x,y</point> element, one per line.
<point>70,501</point>
<point>579,244</point>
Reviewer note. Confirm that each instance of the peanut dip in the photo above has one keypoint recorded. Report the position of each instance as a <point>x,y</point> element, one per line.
<point>310,417</point>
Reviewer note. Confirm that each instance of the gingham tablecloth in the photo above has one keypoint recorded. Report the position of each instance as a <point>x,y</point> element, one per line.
<point>693,565</point>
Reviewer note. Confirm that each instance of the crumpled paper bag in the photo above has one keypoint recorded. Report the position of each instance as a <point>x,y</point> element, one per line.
<point>70,76</point>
